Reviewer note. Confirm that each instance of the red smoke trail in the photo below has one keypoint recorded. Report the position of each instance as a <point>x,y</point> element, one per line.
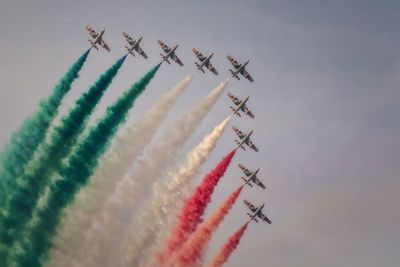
<point>194,208</point>
<point>226,251</point>
<point>192,251</point>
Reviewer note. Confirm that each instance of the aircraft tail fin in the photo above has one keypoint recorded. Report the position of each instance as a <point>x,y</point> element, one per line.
<point>236,113</point>
<point>165,59</point>
<point>239,145</point>
<point>129,50</point>
<point>233,74</point>
<point>198,67</point>
<point>246,181</point>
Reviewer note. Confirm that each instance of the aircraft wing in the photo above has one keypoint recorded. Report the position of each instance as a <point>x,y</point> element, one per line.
<point>92,32</point>
<point>252,146</point>
<point>234,99</point>
<point>246,171</point>
<point>105,46</point>
<point>176,59</point>
<point>264,218</point>
<point>211,68</point>
<point>234,62</point>
<point>164,46</point>
<point>199,55</point>
<point>141,52</point>
<point>259,183</point>
<point>247,75</point>
<point>251,206</point>
<point>128,38</point>
<point>241,134</point>
<point>248,112</point>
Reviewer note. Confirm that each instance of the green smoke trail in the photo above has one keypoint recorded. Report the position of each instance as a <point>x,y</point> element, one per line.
<point>34,246</point>
<point>26,140</point>
<point>30,185</point>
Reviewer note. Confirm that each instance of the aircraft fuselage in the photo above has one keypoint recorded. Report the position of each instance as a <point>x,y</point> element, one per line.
<point>207,60</point>
<point>98,39</point>
<point>170,53</point>
<point>242,67</point>
<point>245,139</point>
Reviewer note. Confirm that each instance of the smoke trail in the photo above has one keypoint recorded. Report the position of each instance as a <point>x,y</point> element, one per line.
<point>191,253</point>
<point>29,186</point>
<point>169,195</point>
<point>89,202</point>
<point>74,174</point>
<point>32,132</point>
<point>194,208</point>
<point>226,251</point>
<point>110,227</point>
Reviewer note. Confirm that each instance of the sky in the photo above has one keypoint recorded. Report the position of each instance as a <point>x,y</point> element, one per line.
<point>326,98</point>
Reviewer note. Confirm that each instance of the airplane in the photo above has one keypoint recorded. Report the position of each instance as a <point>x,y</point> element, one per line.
<point>134,45</point>
<point>257,212</point>
<point>251,176</point>
<point>240,68</point>
<point>240,106</point>
<point>170,53</point>
<point>244,139</point>
<point>97,38</point>
<point>204,61</point>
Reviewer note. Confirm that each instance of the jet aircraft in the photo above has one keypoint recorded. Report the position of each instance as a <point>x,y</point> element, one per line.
<point>204,61</point>
<point>170,53</point>
<point>244,139</point>
<point>257,212</point>
<point>134,45</point>
<point>251,176</point>
<point>239,69</point>
<point>97,39</point>
<point>240,106</point>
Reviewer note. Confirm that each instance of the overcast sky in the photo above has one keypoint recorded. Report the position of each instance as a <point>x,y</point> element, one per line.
<point>326,98</point>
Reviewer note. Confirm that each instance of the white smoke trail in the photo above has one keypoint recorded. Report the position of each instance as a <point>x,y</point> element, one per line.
<point>69,243</point>
<point>111,226</point>
<point>166,198</point>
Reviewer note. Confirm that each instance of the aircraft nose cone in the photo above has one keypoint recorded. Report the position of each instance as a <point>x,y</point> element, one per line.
<point>88,28</point>
<point>235,128</point>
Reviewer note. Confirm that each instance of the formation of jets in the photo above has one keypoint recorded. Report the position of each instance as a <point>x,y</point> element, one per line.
<point>249,176</point>
<point>240,105</point>
<point>97,41</point>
